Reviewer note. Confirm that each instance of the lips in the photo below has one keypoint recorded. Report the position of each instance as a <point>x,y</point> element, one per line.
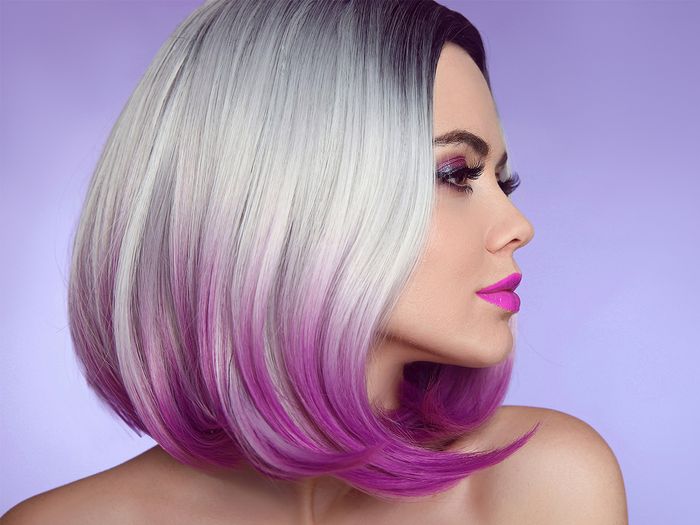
<point>509,283</point>
<point>502,293</point>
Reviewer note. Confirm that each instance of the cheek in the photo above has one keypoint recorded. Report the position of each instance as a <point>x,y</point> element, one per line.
<point>455,248</point>
<point>437,300</point>
<point>444,287</point>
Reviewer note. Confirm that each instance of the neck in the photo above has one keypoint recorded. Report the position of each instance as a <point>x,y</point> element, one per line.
<point>320,497</point>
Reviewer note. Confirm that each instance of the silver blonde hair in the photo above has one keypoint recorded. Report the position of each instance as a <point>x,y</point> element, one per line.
<point>260,204</point>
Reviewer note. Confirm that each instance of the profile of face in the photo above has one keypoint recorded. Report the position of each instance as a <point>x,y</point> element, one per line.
<point>472,239</point>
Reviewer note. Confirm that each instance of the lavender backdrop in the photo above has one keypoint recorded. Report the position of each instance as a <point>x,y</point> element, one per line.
<point>599,102</point>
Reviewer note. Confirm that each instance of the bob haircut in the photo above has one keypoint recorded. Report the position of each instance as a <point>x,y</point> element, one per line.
<point>261,201</point>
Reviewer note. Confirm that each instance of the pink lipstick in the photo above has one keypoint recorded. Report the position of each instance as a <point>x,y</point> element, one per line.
<point>502,293</point>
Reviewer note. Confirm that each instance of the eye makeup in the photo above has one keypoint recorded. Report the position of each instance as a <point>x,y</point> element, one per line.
<point>457,173</point>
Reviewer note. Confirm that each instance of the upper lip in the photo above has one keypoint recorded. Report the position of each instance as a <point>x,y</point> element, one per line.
<point>507,283</point>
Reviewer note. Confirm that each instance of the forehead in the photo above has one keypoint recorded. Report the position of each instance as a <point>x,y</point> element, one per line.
<point>462,99</point>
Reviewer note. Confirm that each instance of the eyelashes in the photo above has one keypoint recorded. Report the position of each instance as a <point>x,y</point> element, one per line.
<point>457,174</point>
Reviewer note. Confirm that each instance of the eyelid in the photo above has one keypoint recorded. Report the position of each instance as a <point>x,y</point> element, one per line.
<point>508,184</point>
<point>459,161</point>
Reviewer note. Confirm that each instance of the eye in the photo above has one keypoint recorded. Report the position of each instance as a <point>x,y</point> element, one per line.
<point>510,185</point>
<point>456,174</point>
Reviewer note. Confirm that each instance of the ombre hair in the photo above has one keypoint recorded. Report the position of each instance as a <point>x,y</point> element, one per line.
<point>258,208</point>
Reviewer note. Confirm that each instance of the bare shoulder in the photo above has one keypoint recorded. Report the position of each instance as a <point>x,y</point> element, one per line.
<point>566,473</point>
<point>111,496</point>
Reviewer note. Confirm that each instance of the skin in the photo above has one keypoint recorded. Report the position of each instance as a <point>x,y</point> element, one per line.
<point>565,474</point>
<point>472,240</point>
<point>439,317</point>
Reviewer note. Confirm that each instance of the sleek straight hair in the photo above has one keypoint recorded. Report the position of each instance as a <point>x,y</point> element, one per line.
<point>256,212</point>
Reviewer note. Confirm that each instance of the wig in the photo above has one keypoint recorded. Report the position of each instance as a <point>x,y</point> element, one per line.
<point>260,204</point>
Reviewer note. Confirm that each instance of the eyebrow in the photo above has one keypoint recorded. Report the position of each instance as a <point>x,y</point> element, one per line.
<point>461,136</point>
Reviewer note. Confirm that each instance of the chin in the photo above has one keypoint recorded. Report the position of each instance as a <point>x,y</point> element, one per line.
<point>489,361</point>
<point>486,353</point>
<point>473,359</point>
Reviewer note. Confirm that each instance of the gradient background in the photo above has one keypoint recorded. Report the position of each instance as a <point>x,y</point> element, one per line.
<point>599,103</point>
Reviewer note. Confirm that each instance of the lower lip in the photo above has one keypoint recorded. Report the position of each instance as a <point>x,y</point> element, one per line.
<point>503,299</point>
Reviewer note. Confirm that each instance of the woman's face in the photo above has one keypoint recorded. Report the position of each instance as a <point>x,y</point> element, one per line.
<point>473,238</point>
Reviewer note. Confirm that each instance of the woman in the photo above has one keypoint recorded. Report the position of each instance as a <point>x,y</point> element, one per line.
<point>294,271</point>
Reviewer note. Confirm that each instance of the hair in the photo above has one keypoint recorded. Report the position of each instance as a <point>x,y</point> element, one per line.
<point>260,204</point>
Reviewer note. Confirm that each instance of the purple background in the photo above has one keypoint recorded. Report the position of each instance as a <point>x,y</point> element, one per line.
<point>599,103</point>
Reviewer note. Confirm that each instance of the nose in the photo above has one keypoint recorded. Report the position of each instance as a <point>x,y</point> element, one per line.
<point>512,231</point>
